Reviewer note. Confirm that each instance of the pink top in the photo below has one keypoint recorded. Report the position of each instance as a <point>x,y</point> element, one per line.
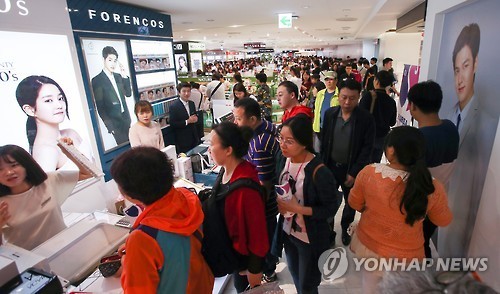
<point>377,194</point>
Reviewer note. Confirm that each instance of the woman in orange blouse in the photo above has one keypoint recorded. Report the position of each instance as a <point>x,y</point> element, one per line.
<point>393,200</point>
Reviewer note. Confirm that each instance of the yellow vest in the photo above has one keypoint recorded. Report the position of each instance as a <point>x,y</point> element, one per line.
<point>317,107</point>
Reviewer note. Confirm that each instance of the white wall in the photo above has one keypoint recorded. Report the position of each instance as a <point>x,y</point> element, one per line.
<point>403,48</point>
<point>352,50</point>
<point>342,51</point>
<point>369,48</point>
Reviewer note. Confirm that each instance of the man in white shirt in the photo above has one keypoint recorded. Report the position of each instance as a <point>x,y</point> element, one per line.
<point>215,89</point>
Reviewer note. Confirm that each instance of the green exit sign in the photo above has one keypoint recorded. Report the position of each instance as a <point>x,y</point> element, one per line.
<point>285,20</point>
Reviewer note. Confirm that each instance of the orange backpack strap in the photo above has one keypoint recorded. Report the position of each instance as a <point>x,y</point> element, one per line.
<point>316,170</point>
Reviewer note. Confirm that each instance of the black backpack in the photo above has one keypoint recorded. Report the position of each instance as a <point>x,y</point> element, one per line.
<point>217,247</point>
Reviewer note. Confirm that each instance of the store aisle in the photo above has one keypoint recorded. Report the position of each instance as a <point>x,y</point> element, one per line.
<point>349,283</point>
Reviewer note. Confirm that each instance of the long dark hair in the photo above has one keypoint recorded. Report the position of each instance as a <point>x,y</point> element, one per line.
<point>26,93</point>
<point>34,173</point>
<point>409,148</point>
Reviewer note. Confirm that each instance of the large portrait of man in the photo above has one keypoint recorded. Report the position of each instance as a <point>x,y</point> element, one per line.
<point>110,89</point>
<point>468,40</point>
<point>107,66</point>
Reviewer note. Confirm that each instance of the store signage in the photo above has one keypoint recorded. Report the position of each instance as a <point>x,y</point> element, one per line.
<point>178,46</point>
<point>196,46</point>
<point>18,7</point>
<point>266,50</point>
<point>285,20</point>
<point>125,19</point>
<point>255,45</point>
<point>110,17</point>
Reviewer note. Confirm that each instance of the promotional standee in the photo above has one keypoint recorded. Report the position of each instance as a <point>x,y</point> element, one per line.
<point>41,94</point>
<point>188,57</point>
<point>126,55</point>
<point>457,51</point>
<point>410,78</point>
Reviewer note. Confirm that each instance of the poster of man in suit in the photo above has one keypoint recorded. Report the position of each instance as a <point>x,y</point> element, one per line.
<point>471,103</point>
<point>109,74</point>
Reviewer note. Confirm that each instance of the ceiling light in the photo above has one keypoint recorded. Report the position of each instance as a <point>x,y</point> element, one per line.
<point>236,26</point>
<point>305,7</point>
<point>190,30</point>
<point>268,34</point>
<point>346,18</point>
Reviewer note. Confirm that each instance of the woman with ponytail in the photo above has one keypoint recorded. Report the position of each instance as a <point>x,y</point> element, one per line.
<point>46,105</point>
<point>394,199</point>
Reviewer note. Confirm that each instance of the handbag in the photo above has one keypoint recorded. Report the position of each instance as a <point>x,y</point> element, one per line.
<point>109,265</point>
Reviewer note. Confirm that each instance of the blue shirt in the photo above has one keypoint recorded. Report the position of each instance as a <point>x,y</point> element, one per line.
<point>441,143</point>
<point>325,105</point>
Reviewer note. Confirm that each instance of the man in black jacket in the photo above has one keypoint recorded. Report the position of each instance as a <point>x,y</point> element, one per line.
<point>182,119</point>
<point>346,148</point>
<point>384,111</point>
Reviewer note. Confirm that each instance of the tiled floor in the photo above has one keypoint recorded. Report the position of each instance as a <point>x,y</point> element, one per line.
<point>349,283</point>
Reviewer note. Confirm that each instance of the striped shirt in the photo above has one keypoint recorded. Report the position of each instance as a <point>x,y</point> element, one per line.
<point>262,150</point>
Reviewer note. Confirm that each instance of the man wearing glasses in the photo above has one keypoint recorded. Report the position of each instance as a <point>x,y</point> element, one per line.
<point>347,144</point>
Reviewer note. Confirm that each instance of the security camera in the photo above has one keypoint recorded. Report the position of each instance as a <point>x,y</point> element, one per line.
<point>341,38</point>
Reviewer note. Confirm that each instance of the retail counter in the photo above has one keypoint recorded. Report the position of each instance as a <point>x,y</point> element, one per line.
<point>74,253</point>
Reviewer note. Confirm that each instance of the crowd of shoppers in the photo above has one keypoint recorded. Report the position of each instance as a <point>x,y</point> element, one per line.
<point>327,149</point>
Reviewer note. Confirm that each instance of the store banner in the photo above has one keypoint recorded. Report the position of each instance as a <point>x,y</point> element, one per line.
<point>111,17</point>
<point>410,78</point>
<point>126,55</point>
<point>41,98</point>
<point>468,43</point>
<point>42,93</point>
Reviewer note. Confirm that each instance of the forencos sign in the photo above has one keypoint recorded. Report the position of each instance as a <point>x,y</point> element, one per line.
<point>125,19</point>
<point>9,6</point>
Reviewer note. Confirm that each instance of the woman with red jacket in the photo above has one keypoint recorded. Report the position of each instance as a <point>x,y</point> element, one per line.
<point>244,208</point>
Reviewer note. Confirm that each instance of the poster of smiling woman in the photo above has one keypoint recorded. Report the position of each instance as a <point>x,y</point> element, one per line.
<point>40,98</point>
